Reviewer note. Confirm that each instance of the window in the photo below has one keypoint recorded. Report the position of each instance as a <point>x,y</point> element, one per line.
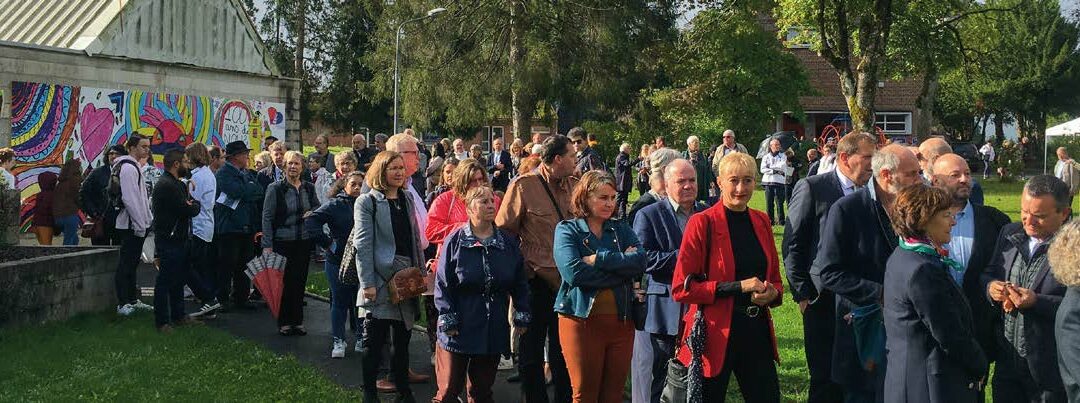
<point>796,38</point>
<point>894,122</point>
<point>496,133</point>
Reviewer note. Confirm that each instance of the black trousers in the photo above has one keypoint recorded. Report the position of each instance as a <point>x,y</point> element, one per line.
<point>297,256</point>
<point>111,237</point>
<point>663,346</point>
<point>200,274</point>
<point>749,356</point>
<point>234,252</point>
<point>127,290</point>
<point>1013,380</point>
<point>819,329</point>
<point>377,332</point>
<point>774,201</point>
<point>621,200</point>
<point>544,327</point>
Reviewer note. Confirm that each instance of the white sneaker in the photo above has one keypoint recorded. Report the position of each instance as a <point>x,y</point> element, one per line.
<point>359,347</point>
<point>505,364</point>
<point>338,350</point>
<point>125,310</point>
<point>142,305</point>
<point>206,309</point>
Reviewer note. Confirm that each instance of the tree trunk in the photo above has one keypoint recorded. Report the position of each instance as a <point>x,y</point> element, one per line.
<point>924,105</point>
<point>999,127</point>
<point>861,105</point>
<point>521,110</point>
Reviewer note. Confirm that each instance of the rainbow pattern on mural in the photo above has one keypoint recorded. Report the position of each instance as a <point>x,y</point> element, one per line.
<point>51,124</point>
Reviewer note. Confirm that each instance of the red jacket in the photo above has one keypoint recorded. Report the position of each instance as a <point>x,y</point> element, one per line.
<point>446,214</point>
<point>721,268</point>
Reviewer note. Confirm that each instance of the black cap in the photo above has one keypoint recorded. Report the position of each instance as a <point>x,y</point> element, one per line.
<point>236,147</point>
<point>118,149</point>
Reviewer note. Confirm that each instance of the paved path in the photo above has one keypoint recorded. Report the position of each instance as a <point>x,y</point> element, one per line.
<point>259,326</point>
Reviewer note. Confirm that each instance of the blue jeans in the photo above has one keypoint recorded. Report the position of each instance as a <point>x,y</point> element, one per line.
<point>70,224</point>
<point>774,196</point>
<point>169,287</point>
<point>342,303</point>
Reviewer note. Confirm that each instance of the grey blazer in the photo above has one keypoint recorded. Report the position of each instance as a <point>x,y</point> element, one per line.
<point>375,254</point>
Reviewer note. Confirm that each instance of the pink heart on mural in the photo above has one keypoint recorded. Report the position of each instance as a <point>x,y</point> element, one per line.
<point>97,129</point>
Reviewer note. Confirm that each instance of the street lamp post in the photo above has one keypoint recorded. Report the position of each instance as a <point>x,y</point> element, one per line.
<point>397,56</point>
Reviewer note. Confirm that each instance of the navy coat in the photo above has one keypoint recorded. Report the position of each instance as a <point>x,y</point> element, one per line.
<point>932,352</point>
<point>503,180</point>
<point>809,206</point>
<point>988,224</point>
<point>856,242</point>
<point>624,173</point>
<point>1067,329</point>
<point>238,184</point>
<point>1039,319</point>
<point>645,200</point>
<point>660,237</point>
<point>473,281</point>
<point>337,214</point>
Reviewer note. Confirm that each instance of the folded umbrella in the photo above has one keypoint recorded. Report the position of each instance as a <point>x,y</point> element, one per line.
<point>268,273</point>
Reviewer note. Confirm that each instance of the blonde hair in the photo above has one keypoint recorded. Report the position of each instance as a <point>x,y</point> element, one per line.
<point>1063,255</point>
<point>734,161</point>
<point>277,146</point>
<point>376,173</point>
<point>264,158</point>
<point>463,175</point>
<point>477,193</point>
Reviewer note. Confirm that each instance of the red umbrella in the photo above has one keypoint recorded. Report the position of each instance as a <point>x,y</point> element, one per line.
<point>268,272</point>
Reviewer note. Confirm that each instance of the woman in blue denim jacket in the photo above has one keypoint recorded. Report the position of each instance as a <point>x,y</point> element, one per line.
<point>480,268</point>
<point>337,215</point>
<point>599,261</point>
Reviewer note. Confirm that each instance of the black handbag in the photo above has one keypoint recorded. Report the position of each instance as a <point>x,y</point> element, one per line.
<point>676,384</point>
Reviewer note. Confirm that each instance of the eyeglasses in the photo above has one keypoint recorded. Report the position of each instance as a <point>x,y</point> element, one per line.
<point>575,141</point>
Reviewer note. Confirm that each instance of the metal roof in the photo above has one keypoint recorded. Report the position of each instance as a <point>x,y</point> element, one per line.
<point>205,33</point>
<point>69,24</point>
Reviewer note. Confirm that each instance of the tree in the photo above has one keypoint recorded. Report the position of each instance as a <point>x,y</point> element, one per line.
<point>852,35</point>
<point>521,58</point>
<point>728,71</point>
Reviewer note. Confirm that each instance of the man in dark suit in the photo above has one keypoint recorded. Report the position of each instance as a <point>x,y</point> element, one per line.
<point>1019,282</point>
<point>856,241</point>
<point>499,165</point>
<point>275,172</point>
<point>364,154</point>
<point>658,160</point>
<point>659,227</point>
<point>973,239</point>
<point>809,207</point>
<point>624,178</point>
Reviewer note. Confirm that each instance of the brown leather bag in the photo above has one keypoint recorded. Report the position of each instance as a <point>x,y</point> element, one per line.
<point>405,284</point>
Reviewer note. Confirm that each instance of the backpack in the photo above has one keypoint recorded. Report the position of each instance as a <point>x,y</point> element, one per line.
<point>114,196</point>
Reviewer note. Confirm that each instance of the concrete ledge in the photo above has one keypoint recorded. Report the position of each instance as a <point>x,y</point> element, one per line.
<point>57,286</point>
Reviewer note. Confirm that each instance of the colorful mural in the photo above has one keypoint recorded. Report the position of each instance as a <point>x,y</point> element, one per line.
<point>51,124</point>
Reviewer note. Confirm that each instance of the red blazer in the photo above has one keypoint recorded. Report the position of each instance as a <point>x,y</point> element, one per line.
<point>721,268</point>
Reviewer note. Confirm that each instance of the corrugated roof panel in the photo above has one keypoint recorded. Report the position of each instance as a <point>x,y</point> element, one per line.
<point>53,23</point>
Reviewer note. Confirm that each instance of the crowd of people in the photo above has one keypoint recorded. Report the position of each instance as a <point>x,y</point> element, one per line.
<point>908,285</point>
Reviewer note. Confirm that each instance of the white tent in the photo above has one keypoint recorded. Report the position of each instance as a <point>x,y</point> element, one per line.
<point>1070,128</point>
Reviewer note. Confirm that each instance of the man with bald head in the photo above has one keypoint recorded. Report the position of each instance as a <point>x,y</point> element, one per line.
<point>856,241</point>
<point>659,227</point>
<point>973,240</point>
<point>810,203</point>
<point>934,147</point>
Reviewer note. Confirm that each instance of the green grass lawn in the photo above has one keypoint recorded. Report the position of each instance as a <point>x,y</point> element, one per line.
<point>101,357</point>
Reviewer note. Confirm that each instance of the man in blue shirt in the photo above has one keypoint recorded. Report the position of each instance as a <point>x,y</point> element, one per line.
<point>973,241</point>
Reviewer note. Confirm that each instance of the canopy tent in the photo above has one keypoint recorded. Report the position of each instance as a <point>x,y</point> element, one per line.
<point>1070,128</point>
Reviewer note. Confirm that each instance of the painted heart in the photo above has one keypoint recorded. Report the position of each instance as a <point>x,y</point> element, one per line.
<point>96,129</point>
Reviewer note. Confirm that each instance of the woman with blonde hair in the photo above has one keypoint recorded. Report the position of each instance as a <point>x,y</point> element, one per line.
<point>387,241</point>
<point>733,292</point>
<point>599,260</point>
<point>1064,257</point>
<point>263,160</point>
<point>286,204</point>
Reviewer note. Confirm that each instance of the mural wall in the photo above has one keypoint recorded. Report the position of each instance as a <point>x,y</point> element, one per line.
<point>51,124</point>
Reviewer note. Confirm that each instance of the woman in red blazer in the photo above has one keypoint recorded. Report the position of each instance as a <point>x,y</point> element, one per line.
<point>734,291</point>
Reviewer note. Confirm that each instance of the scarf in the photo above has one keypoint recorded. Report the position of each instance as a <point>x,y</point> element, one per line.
<point>925,247</point>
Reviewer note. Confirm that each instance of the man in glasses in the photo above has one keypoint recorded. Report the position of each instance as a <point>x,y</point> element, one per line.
<point>587,157</point>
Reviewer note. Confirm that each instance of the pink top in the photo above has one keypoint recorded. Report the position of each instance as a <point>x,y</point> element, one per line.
<point>446,214</point>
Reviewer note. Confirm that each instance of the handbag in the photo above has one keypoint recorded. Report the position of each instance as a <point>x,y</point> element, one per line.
<point>347,271</point>
<point>93,228</point>
<point>869,327</point>
<point>406,283</point>
<point>678,381</point>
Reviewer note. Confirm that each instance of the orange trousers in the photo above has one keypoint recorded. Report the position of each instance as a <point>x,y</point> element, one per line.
<point>597,352</point>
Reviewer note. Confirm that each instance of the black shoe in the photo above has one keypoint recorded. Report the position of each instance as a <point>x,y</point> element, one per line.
<point>406,397</point>
<point>371,397</point>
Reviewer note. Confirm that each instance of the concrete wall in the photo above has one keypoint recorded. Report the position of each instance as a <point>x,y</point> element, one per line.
<point>59,66</point>
<point>56,287</point>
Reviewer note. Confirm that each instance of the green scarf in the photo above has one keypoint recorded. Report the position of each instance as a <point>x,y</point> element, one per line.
<point>923,246</point>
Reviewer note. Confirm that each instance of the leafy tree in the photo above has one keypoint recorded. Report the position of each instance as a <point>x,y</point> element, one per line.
<point>728,71</point>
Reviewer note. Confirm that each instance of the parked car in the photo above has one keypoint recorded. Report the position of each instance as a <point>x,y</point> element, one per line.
<point>969,152</point>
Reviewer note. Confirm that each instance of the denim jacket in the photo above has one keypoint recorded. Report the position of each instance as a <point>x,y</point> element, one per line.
<point>613,268</point>
<point>474,280</point>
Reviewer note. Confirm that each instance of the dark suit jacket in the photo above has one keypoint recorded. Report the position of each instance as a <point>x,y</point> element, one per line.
<point>988,224</point>
<point>1039,319</point>
<point>503,180</point>
<point>266,176</point>
<point>977,196</point>
<point>932,352</point>
<point>810,203</point>
<point>660,236</point>
<point>1067,329</point>
<point>645,200</point>
<point>855,243</point>
<point>624,173</point>
<point>812,170</point>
